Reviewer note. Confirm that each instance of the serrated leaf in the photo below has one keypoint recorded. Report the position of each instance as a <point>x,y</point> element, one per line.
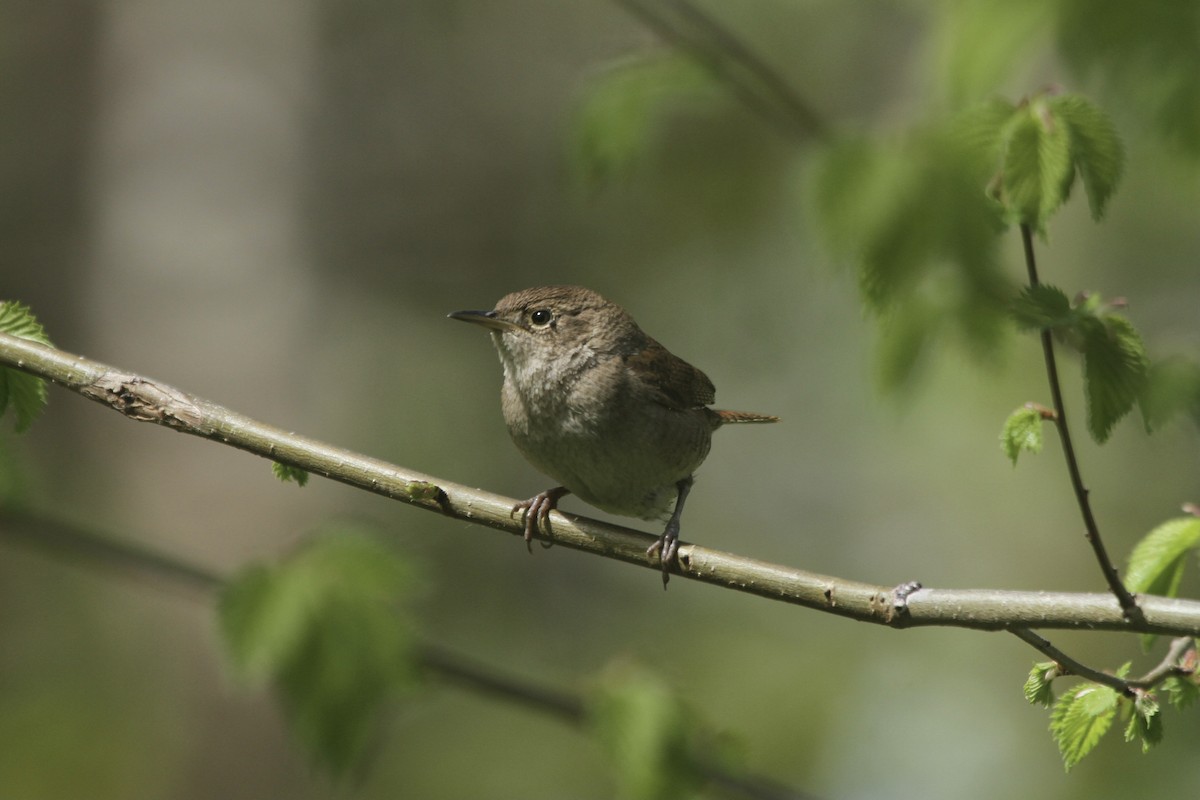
<point>287,473</point>
<point>1037,168</point>
<point>17,320</point>
<point>624,105</point>
<point>24,392</point>
<point>1172,387</point>
<point>1042,307</point>
<point>645,729</point>
<point>1038,686</point>
<point>1096,149</point>
<point>1080,719</point>
<point>1156,563</point>
<point>1146,722</point>
<point>1115,367</point>
<point>1022,432</point>
<point>325,629</point>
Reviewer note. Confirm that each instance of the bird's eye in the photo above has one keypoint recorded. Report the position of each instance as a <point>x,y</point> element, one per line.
<point>542,317</point>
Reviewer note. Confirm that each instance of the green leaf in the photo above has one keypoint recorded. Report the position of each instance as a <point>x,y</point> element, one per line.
<point>1115,367</point>
<point>1156,563</point>
<point>1042,307</point>
<point>1096,149</point>
<point>1037,168</point>
<point>1038,690</point>
<point>646,731</point>
<point>1022,431</point>
<point>325,629</point>
<point>1172,387</point>
<point>1080,718</point>
<point>1145,722</point>
<point>287,473</point>
<point>26,393</point>
<point>625,105</point>
<point>1182,691</point>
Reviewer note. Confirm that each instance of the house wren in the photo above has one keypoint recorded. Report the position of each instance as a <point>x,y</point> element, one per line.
<point>602,408</point>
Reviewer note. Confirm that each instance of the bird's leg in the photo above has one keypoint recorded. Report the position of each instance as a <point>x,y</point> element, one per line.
<point>668,543</point>
<point>535,512</point>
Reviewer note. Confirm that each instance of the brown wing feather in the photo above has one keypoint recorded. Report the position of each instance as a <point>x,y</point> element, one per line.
<point>677,383</point>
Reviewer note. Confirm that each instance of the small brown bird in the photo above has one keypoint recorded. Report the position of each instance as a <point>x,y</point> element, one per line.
<point>602,408</point>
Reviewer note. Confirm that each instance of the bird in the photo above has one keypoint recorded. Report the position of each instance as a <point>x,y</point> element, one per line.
<point>602,408</point>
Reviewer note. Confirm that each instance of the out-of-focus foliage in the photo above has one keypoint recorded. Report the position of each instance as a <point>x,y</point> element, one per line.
<point>649,734</point>
<point>328,629</point>
<point>627,104</point>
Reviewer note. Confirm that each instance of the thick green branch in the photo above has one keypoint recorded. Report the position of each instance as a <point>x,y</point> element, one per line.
<point>145,400</point>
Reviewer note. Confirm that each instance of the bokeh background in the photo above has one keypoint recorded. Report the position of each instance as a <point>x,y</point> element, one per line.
<point>274,204</point>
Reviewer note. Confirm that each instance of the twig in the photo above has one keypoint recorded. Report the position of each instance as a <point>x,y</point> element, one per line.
<point>1069,665</point>
<point>145,400</point>
<point>710,43</point>
<point>1128,604</point>
<point>1172,664</point>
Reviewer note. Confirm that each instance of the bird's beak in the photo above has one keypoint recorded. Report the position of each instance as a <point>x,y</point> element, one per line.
<point>487,319</point>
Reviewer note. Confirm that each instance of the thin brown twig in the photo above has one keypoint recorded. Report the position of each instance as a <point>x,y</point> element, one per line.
<point>1171,665</point>
<point>1127,601</point>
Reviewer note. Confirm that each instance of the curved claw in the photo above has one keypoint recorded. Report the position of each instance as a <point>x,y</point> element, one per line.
<point>535,513</point>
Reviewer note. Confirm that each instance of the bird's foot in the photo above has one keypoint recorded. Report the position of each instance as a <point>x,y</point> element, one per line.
<point>668,546</point>
<point>535,513</point>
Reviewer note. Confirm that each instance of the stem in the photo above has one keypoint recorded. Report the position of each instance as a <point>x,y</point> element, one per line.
<point>1129,605</point>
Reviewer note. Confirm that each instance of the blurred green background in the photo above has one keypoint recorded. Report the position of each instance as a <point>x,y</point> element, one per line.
<point>274,205</point>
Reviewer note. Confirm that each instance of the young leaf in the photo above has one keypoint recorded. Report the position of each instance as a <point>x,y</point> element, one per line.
<point>1038,689</point>
<point>1145,722</point>
<point>324,629</point>
<point>1156,563</point>
<point>1095,148</point>
<point>646,731</point>
<point>287,473</point>
<point>1037,168</point>
<point>1182,691</point>
<point>1042,307</point>
<point>1115,366</point>
<point>26,393</point>
<point>1080,718</point>
<point>1022,431</point>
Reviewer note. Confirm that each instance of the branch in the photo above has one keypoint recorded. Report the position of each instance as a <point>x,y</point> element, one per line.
<point>142,399</point>
<point>1128,604</point>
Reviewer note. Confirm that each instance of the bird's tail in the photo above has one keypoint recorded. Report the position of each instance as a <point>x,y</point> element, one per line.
<point>738,417</point>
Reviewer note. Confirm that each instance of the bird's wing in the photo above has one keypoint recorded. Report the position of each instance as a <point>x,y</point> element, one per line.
<point>675,382</point>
